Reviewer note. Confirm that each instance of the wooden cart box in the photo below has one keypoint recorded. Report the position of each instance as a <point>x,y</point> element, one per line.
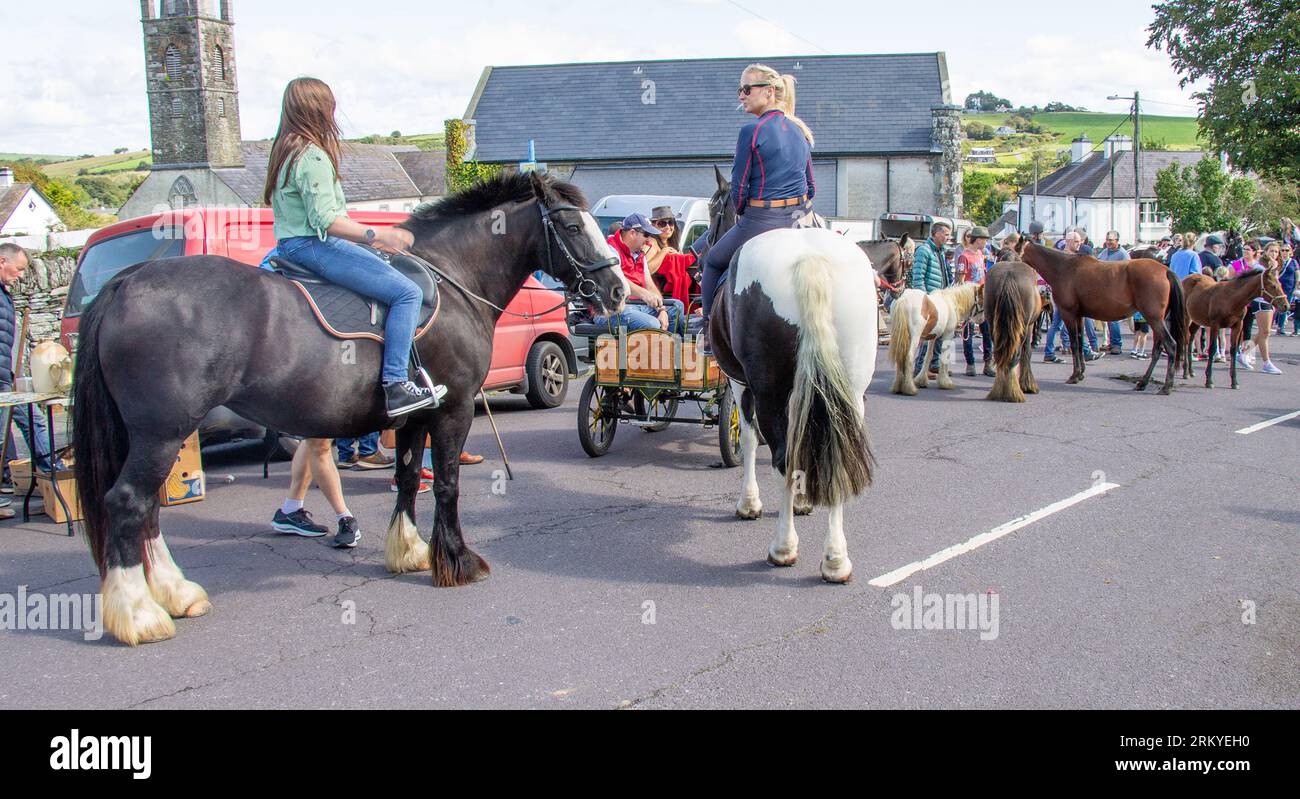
<point>653,356</point>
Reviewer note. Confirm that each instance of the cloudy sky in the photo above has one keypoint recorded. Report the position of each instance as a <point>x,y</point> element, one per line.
<point>78,85</point>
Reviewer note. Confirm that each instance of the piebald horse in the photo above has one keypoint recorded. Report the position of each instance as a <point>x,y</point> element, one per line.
<point>933,318</point>
<point>794,327</point>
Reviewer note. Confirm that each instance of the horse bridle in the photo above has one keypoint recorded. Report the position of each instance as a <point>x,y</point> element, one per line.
<point>1263,288</point>
<point>582,285</point>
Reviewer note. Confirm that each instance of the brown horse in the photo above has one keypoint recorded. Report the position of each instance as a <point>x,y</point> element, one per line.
<point>1109,291</point>
<point>1012,304</point>
<point>891,259</point>
<point>1222,306</point>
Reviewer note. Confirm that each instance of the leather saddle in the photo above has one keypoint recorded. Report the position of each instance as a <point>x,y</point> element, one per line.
<point>348,315</point>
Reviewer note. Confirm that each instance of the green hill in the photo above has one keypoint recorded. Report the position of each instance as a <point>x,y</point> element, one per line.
<point>1177,133</point>
<point>100,164</point>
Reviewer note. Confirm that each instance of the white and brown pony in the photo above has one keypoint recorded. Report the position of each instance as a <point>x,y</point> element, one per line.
<point>794,327</point>
<point>934,318</point>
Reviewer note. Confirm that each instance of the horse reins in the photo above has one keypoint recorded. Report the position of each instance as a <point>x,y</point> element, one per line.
<point>583,286</point>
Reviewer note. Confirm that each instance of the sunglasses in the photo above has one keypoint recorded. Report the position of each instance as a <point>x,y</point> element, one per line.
<point>663,222</point>
<point>749,87</point>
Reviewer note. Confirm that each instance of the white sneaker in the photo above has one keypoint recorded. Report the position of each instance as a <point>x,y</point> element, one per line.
<point>1243,363</point>
<point>1269,369</point>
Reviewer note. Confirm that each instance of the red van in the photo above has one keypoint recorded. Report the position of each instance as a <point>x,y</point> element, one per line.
<point>531,357</point>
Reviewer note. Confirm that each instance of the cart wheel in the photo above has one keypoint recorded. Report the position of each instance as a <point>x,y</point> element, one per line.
<point>729,427</point>
<point>656,406</point>
<point>597,417</point>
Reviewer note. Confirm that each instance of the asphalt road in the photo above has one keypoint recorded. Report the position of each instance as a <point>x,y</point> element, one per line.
<point>1136,596</point>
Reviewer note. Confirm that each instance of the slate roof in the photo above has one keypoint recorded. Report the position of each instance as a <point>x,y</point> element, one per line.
<point>367,172</point>
<point>1090,177</point>
<point>855,104</point>
<point>427,169</point>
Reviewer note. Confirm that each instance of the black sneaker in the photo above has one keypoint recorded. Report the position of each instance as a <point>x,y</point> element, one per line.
<point>299,523</point>
<point>406,397</point>
<point>348,534</point>
<point>1053,359</point>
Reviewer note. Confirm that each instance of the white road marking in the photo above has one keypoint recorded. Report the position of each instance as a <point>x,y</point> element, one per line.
<point>1245,431</point>
<point>902,573</point>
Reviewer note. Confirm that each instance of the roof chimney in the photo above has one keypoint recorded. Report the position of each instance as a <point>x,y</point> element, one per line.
<point>1079,148</point>
<point>6,177</point>
<point>1118,143</point>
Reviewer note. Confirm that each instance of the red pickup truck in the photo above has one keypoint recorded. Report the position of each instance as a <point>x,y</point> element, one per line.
<point>531,357</point>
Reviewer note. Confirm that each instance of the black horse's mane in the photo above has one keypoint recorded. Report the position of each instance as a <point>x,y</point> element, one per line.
<point>488,194</point>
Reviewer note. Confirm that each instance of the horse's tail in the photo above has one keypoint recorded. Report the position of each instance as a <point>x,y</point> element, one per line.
<point>900,330</point>
<point>827,453</point>
<point>1177,314</point>
<point>1008,324</point>
<point>98,433</point>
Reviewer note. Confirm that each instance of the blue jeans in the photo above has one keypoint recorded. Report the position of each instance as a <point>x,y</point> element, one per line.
<point>1115,335</point>
<point>920,357</point>
<point>636,316</point>
<point>38,440</point>
<point>754,222</point>
<point>354,267</point>
<point>968,343</point>
<point>1059,327</point>
<point>365,446</point>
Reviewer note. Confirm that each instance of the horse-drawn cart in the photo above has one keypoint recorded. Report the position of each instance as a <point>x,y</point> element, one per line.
<point>642,379</point>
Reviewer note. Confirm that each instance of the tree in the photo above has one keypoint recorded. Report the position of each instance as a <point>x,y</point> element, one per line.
<point>1048,163</point>
<point>1249,53</point>
<point>985,101</point>
<point>975,187</point>
<point>978,131</point>
<point>1204,197</point>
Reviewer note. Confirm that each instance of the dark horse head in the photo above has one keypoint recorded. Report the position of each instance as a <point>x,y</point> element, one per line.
<point>722,216</point>
<point>568,243</point>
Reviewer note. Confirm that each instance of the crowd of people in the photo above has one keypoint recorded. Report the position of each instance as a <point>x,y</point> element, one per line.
<point>1221,256</point>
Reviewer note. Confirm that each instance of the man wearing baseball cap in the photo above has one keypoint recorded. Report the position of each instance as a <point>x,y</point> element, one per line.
<point>646,309</point>
<point>1212,255</point>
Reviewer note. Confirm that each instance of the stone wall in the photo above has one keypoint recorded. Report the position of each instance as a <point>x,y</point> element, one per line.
<point>43,289</point>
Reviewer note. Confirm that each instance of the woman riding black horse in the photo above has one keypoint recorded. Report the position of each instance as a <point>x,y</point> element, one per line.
<point>312,229</point>
<point>771,175</point>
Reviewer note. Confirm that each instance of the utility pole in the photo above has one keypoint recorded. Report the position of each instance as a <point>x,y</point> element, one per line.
<point>1137,161</point>
<point>1137,167</point>
<point>1033,212</point>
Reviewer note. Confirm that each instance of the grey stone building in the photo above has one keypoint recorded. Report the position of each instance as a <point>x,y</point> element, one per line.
<point>888,138</point>
<point>199,158</point>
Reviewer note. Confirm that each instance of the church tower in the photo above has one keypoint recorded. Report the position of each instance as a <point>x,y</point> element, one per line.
<point>189,48</point>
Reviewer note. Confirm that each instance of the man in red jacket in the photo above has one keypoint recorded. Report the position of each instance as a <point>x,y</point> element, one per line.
<point>646,309</point>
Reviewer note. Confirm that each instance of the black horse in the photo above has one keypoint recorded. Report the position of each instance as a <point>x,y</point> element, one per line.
<point>166,341</point>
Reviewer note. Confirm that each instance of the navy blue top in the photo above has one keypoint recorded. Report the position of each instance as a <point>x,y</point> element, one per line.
<point>773,162</point>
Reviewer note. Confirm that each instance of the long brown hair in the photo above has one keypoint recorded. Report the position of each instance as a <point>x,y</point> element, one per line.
<point>306,117</point>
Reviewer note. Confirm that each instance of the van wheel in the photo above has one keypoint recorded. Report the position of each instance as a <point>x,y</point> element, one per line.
<point>548,375</point>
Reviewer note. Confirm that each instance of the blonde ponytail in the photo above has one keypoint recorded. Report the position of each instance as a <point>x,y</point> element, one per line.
<point>783,85</point>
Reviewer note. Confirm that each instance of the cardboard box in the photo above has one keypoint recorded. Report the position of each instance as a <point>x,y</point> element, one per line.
<point>68,489</point>
<point>186,483</point>
<point>20,471</point>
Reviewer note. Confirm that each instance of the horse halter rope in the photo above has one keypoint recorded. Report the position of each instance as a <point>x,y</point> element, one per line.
<point>582,285</point>
<point>1263,288</point>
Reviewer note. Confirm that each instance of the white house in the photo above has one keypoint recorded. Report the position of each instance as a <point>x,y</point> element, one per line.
<point>23,211</point>
<point>1096,191</point>
<point>1005,130</point>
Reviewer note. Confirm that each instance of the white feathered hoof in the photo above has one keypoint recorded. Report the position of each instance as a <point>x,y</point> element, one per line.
<point>404,550</point>
<point>130,613</point>
<point>837,571</point>
<point>182,599</point>
<point>783,558</point>
<point>749,508</point>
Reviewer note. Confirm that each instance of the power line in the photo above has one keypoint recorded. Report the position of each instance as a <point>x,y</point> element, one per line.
<point>779,27</point>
